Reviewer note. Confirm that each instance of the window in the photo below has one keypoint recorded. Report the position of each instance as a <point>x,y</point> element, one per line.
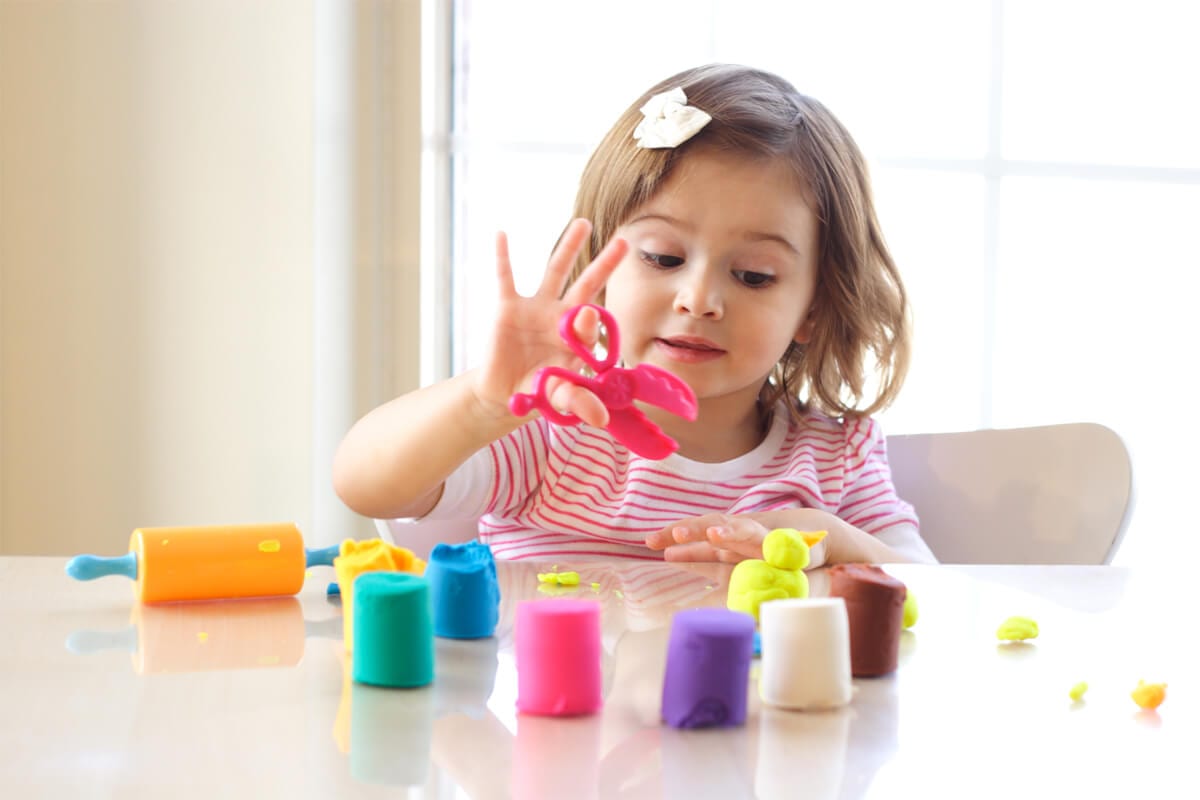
<point>1035,166</point>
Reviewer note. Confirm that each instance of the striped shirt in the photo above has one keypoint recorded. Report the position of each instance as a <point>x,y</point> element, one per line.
<point>546,491</point>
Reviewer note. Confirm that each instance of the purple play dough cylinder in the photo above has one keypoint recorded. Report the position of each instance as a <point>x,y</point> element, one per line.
<point>708,668</point>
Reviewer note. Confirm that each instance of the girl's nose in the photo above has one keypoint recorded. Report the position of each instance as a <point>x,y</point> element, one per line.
<point>698,295</point>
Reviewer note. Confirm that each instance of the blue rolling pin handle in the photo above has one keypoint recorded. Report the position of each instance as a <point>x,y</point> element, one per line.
<point>323,557</point>
<point>88,568</point>
<point>86,642</point>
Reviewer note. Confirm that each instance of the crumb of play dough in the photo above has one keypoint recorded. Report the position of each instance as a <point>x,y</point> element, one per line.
<point>556,590</point>
<point>559,578</point>
<point>1149,695</point>
<point>1078,691</point>
<point>269,546</point>
<point>910,610</point>
<point>1017,629</point>
<point>202,637</point>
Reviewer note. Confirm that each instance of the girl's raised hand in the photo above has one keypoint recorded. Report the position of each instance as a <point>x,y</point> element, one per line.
<point>525,336</point>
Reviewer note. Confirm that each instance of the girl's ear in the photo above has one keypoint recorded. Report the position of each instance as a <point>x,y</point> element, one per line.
<point>805,331</point>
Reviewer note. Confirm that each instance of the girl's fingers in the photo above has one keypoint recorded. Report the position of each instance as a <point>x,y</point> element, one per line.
<point>659,540</point>
<point>701,551</point>
<point>588,408</point>
<point>745,538</point>
<point>692,551</point>
<point>563,257</point>
<point>569,398</point>
<point>587,327</point>
<point>712,537</point>
<point>694,529</point>
<point>592,279</point>
<point>504,276</point>
<point>679,533</point>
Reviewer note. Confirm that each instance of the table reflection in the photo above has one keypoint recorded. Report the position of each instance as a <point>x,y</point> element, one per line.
<point>624,751</point>
<point>206,636</point>
<point>388,733</point>
<point>464,727</point>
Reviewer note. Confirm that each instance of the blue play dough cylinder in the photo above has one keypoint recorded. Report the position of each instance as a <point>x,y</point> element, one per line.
<point>466,594</point>
<point>393,630</point>
<point>708,668</point>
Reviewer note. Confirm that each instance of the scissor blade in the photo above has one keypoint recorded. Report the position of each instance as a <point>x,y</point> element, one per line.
<point>658,387</point>
<point>631,428</point>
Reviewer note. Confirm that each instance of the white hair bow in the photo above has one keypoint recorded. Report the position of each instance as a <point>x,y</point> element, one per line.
<point>668,121</point>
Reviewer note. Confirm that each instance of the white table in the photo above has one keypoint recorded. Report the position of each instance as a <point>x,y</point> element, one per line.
<point>250,698</point>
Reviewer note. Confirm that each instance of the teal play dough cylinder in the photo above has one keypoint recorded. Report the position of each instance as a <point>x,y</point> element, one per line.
<point>393,630</point>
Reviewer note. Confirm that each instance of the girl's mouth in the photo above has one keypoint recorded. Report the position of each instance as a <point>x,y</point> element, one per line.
<point>688,349</point>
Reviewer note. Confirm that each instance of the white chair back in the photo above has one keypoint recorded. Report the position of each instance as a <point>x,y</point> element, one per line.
<point>1056,494</point>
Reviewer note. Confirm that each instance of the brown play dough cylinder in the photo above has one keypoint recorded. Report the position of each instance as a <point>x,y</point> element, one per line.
<point>875,605</point>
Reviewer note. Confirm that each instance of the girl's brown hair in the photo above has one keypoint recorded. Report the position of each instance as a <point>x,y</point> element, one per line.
<point>860,307</point>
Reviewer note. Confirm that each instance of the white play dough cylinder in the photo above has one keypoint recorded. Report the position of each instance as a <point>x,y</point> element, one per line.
<point>805,653</point>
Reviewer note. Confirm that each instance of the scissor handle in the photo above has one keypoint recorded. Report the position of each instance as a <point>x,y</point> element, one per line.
<point>522,403</point>
<point>566,329</point>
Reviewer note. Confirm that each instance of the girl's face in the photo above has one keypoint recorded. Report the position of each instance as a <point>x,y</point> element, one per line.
<point>720,275</point>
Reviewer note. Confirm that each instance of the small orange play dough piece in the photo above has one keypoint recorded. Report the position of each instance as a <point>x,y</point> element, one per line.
<point>1149,695</point>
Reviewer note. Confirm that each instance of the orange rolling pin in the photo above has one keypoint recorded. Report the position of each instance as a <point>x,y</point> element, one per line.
<point>209,563</point>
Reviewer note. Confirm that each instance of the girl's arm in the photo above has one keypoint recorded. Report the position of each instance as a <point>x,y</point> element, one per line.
<point>394,461</point>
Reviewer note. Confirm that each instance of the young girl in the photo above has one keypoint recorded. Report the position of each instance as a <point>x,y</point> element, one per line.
<point>726,222</point>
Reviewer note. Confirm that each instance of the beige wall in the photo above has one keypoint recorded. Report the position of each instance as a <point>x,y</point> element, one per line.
<point>159,304</point>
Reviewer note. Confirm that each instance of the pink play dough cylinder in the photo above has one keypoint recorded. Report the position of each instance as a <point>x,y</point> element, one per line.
<point>558,657</point>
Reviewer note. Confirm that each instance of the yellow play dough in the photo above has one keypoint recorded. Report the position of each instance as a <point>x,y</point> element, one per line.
<point>370,555</point>
<point>910,610</point>
<point>778,576</point>
<point>1017,629</point>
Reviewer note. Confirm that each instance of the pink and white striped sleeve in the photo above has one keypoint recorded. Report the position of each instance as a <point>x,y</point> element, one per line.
<point>869,501</point>
<point>498,477</point>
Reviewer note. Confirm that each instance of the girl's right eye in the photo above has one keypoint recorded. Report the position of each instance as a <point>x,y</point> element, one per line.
<point>661,261</point>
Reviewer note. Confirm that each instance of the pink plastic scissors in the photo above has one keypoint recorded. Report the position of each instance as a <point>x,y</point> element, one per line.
<point>617,387</point>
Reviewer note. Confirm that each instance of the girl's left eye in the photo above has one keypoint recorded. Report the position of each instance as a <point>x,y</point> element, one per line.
<point>661,260</point>
<point>755,280</point>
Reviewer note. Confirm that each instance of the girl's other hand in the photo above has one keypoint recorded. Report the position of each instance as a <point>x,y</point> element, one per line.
<point>525,336</point>
<point>712,537</point>
<point>732,538</point>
